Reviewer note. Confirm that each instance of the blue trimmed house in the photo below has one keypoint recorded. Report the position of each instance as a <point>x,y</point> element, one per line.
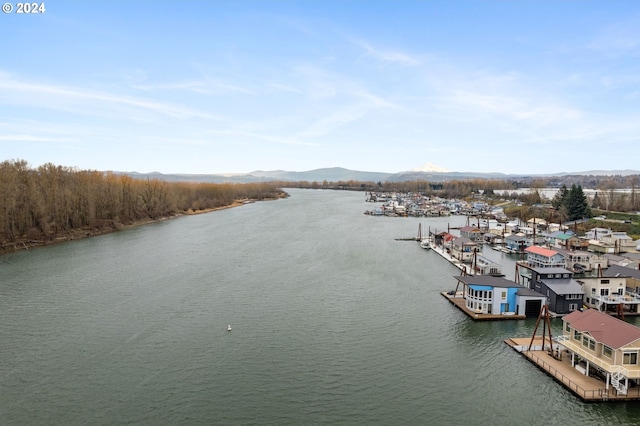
<point>486,294</point>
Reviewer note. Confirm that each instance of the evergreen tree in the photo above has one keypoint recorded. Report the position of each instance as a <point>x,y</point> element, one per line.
<point>577,204</point>
<point>560,199</point>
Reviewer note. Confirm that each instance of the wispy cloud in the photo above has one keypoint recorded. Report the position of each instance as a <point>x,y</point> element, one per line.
<point>387,56</point>
<point>277,139</point>
<point>197,86</point>
<point>57,97</point>
<point>336,119</point>
<point>33,138</point>
<point>618,39</point>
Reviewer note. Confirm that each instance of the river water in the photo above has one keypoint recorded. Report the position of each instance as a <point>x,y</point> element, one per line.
<point>334,322</point>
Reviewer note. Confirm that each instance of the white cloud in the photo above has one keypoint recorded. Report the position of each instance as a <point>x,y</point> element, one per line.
<point>387,56</point>
<point>86,100</point>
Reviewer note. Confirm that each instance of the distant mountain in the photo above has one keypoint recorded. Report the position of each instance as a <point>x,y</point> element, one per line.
<point>625,172</point>
<point>429,167</point>
<point>333,174</point>
<point>336,174</point>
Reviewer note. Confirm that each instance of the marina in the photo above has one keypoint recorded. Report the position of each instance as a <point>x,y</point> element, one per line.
<point>341,324</point>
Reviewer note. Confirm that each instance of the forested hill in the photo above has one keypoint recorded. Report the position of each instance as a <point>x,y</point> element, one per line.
<point>53,202</point>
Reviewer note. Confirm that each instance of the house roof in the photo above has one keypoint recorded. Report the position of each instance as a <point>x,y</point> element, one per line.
<point>564,286</point>
<point>524,291</point>
<point>552,270</point>
<point>606,329</point>
<point>470,229</point>
<point>488,280</point>
<point>555,234</point>
<point>463,241</point>
<point>621,271</point>
<point>542,251</point>
<point>537,221</point>
<point>565,237</point>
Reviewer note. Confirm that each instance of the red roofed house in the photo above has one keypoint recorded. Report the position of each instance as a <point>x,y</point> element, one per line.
<point>541,257</point>
<point>603,345</point>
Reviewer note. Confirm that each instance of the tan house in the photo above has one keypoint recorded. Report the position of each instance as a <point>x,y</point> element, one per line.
<point>464,249</point>
<point>602,345</point>
<point>608,294</point>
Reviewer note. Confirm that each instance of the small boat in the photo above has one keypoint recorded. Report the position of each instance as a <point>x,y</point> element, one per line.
<point>425,244</point>
<point>229,327</point>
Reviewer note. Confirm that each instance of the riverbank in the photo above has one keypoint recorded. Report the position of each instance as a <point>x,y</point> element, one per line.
<point>106,227</point>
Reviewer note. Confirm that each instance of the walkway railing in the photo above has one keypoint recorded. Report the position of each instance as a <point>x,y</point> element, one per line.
<point>586,394</point>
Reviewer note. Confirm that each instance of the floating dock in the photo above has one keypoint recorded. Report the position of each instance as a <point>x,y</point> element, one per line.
<point>588,389</point>
<point>458,301</point>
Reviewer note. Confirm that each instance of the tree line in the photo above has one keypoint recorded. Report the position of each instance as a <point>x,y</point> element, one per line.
<point>446,189</point>
<point>50,200</point>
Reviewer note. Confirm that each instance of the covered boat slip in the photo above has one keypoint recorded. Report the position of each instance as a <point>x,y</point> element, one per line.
<point>486,297</point>
<point>587,388</point>
<point>459,302</point>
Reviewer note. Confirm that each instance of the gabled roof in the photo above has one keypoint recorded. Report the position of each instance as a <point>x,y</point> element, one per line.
<point>562,286</point>
<point>464,241</point>
<point>621,271</point>
<point>565,237</point>
<point>470,229</point>
<point>553,270</point>
<point>488,280</point>
<point>604,328</point>
<point>553,234</point>
<point>542,251</point>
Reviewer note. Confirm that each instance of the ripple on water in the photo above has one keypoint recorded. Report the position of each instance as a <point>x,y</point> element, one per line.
<point>334,322</point>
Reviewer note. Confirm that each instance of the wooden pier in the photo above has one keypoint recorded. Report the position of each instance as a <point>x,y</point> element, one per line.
<point>587,388</point>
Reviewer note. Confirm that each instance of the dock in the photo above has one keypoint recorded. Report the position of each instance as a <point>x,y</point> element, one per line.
<point>465,268</point>
<point>587,388</point>
<point>458,301</point>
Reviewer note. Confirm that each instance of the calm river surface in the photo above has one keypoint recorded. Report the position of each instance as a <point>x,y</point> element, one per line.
<point>334,322</point>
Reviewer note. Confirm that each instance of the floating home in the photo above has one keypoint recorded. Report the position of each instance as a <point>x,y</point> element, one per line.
<point>596,357</point>
<point>486,297</point>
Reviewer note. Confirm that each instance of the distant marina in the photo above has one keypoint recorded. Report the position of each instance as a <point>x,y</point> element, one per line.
<point>583,280</point>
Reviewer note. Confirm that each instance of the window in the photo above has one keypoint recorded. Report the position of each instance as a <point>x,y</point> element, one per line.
<point>604,292</point>
<point>604,281</point>
<point>577,335</point>
<point>630,358</point>
<point>573,306</point>
<point>607,351</point>
<point>588,343</point>
<point>504,294</point>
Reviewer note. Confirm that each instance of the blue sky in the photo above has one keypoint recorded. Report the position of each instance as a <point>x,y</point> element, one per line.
<point>389,86</point>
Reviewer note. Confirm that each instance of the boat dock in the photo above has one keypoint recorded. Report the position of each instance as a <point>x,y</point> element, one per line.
<point>588,389</point>
<point>457,300</point>
<point>465,268</point>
